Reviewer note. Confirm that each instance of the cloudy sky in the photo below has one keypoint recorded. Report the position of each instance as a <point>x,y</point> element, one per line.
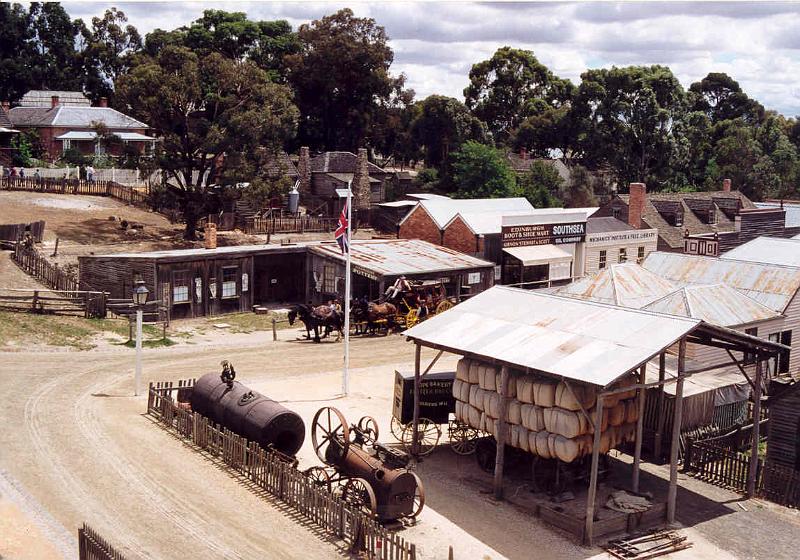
<point>435,43</point>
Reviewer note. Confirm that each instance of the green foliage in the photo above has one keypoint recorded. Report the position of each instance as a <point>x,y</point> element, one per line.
<point>481,171</point>
<point>427,176</point>
<point>540,185</point>
<point>23,150</point>
<point>73,156</point>
<point>580,191</point>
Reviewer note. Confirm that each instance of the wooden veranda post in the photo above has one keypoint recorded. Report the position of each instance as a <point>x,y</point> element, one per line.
<point>672,493</point>
<point>637,450</point>
<point>592,495</point>
<point>662,367</point>
<point>415,426</point>
<point>752,472</point>
<point>502,426</point>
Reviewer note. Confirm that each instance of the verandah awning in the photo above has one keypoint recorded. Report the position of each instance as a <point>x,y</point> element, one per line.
<point>89,135</point>
<point>539,254</point>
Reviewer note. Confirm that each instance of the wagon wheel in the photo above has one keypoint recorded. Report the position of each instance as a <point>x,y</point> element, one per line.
<point>444,306</point>
<point>319,476</point>
<point>428,435</point>
<point>411,318</point>
<point>398,430</point>
<point>463,438</point>
<point>419,497</point>
<point>359,493</point>
<point>329,426</point>
<point>369,426</point>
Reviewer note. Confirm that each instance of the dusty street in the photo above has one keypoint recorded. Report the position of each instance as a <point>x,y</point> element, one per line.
<point>77,447</point>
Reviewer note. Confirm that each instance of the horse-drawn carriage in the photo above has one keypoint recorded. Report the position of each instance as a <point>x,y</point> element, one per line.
<point>436,408</point>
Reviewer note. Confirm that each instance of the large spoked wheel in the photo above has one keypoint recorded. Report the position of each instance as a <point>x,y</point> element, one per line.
<point>463,438</point>
<point>398,430</point>
<point>357,492</point>
<point>419,498</point>
<point>320,477</point>
<point>369,426</point>
<point>444,306</point>
<point>411,318</point>
<point>329,427</point>
<point>428,435</point>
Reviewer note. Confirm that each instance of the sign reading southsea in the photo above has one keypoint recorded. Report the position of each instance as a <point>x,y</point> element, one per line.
<point>543,234</point>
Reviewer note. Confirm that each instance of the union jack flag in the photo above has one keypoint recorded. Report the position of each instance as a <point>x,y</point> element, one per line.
<point>341,232</point>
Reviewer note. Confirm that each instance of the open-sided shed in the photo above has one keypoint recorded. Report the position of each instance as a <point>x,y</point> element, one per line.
<point>582,342</point>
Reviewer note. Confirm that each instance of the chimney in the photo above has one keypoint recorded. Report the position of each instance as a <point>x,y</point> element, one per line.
<point>103,102</point>
<point>361,191</point>
<point>211,236</point>
<point>638,197</point>
<point>304,171</point>
<point>726,185</point>
<point>523,153</point>
<point>54,101</point>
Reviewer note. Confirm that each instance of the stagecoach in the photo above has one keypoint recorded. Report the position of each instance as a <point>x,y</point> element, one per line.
<point>417,300</point>
<point>436,409</point>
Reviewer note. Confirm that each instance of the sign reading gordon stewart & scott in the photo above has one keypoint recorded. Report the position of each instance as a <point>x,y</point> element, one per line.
<point>543,234</point>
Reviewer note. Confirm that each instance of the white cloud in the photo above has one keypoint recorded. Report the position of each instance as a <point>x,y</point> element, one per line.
<point>436,43</point>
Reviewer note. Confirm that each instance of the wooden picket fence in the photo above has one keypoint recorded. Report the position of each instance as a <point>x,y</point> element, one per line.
<point>718,465</point>
<point>91,546</point>
<point>15,232</point>
<point>124,193</point>
<point>267,470</point>
<point>36,264</point>
<point>780,484</point>
<point>289,224</point>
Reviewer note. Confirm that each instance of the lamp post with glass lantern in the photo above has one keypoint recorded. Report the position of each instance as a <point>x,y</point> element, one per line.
<point>140,293</point>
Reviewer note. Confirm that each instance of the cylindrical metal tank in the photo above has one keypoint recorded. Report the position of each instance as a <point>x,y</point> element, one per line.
<point>248,413</point>
<point>294,200</point>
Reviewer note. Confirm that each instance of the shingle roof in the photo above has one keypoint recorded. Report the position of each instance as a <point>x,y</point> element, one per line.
<point>603,225</point>
<point>278,165</point>
<point>339,162</point>
<point>4,120</point>
<point>673,235</point>
<point>73,117</point>
<point>43,98</point>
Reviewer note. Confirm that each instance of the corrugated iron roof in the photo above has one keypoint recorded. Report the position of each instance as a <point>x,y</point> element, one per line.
<point>792,212</point>
<point>626,284</point>
<point>717,304</point>
<point>772,250</point>
<point>442,210</point>
<point>586,341</point>
<point>771,285</point>
<point>72,117</point>
<point>397,257</point>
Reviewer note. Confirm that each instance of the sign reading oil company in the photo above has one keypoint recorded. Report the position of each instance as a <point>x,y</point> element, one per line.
<point>524,235</point>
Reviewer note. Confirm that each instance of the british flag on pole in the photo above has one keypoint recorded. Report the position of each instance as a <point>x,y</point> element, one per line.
<point>341,232</point>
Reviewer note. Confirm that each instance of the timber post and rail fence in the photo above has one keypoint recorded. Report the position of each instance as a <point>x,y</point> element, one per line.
<point>290,224</point>
<point>124,193</point>
<point>361,532</point>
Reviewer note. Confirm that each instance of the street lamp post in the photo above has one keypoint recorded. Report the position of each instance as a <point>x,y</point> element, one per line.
<point>140,293</point>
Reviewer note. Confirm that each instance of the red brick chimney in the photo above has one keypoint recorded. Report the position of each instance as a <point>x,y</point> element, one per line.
<point>636,202</point>
<point>54,101</point>
<point>726,185</point>
<point>210,240</point>
<point>103,102</point>
<point>304,171</point>
<point>361,190</point>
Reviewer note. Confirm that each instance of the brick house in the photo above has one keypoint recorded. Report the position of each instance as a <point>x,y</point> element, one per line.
<point>70,123</point>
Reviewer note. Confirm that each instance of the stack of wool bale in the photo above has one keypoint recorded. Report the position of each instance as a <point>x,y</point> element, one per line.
<point>544,416</point>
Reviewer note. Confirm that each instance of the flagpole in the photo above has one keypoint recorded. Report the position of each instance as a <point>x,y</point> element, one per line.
<point>346,373</point>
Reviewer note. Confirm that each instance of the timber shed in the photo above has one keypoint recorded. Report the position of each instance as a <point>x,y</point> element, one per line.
<point>585,345</point>
<point>783,443</point>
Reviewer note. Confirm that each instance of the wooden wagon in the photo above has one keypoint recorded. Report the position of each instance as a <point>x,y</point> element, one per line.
<point>416,300</point>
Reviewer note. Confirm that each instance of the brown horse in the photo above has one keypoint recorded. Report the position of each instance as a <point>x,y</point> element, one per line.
<point>372,313</point>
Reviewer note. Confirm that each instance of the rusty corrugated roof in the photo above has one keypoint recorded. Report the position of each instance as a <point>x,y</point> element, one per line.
<point>626,284</point>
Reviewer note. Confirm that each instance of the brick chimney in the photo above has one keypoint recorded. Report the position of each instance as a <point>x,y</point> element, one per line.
<point>103,102</point>
<point>211,236</point>
<point>726,185</point>
<point>54,101</point>
<point>304,171</point>
<point>361,191</point>
<point>636,202</point>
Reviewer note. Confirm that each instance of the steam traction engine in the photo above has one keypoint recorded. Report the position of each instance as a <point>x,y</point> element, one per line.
<point>369,475</point>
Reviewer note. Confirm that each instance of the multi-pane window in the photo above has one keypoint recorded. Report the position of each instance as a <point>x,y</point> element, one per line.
<point>640,254</point>
<point>180,286</point>
<point>780,364</point>
<point>229,281</point>
<point>603,257</point>
<point>623,255</point>
<point>329,278</point>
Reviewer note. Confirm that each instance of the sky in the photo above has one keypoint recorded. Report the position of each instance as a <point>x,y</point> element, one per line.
<point>436,43</point>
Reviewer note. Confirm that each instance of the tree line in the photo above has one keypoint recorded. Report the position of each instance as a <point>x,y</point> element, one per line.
<point>225,84</point>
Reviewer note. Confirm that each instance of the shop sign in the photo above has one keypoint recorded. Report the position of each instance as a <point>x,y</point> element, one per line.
<point>363,272</point>
<point>628,236</point>
<point>543,234</point>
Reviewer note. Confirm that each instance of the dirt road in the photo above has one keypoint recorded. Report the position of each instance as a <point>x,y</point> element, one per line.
<point>79,446</point>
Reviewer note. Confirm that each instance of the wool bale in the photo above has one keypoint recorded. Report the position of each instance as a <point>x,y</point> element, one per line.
<point>544,393</point>
<point>457,383</point>
<point>542,449</point>
<point>524,390</point>
<point>520,435</point>
<point>462,370</point>
<point>532,442</point>
<point>627,433</point>
<point>487,377</point>
<point>566,449</point>
<point>485,423</point>
<point>465,387</point>
<point>626,381</point>
<point>474,416</point>
<point>608,439</point>
<point>616,415</point>
<point>581,395</point>
<point>515,412</point>
<point>473,372</point>
<point>585,443</point>
<point>532,417</point>
<point>491,404</point>
<point>511,389</point>
<point>564,422</point>
<point>476,396</point>
<point>603,421</point>
<point>631,411</point>
<point>460,411</point>
<point>551,445</point>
